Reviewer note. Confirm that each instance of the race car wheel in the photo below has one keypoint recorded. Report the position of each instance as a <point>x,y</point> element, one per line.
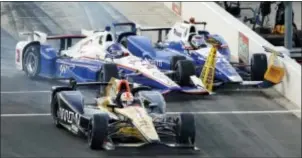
<point>258,66</point>
<point>186,129</point>
<point>184,69</point>
<point>174,60</point>
<point>97,131</point>
<point>32,60</point>
<point>106,73</point>
<point>55,111</point>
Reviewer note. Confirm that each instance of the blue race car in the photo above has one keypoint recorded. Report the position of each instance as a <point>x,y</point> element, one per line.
<point>98,57</point>
<point>185,42</point>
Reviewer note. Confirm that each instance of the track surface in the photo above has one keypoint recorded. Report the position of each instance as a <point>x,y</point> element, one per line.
<point>218,135</point>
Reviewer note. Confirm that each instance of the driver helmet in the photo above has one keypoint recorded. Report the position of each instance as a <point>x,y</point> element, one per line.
<point>115,49</point>
<point>127,99</point>
<point>198,40</point>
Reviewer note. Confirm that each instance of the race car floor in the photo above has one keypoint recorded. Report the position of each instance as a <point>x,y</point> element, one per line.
<point>229,124</point>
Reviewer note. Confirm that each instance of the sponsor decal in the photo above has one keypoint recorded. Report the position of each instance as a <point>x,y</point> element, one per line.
<point>243,49</point>
<point>18,55</point>
<point>68,116</point>
<point>162,77</point>
<point>65,68</point>
<point>151,63</point>
<point>176,7</point>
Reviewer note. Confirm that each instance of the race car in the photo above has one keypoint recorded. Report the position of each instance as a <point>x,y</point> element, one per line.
<point>126,116</point>
<point>96,56</point>
<point>186,42</point>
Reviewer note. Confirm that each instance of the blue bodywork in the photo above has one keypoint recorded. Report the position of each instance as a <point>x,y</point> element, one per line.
<point>142,47</point>
<point>162,53</point>
<point>87,70</point>
<point>81,69</point>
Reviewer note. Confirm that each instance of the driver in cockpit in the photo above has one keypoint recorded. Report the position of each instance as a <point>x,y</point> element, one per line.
<point>198,41</point>
<point>127,99</point>
<point>115,51</point>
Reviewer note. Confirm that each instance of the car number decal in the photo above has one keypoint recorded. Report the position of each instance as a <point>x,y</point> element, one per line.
<point>64,68</point>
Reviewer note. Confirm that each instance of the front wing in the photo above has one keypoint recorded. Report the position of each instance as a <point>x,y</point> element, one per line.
<point>153,145</point>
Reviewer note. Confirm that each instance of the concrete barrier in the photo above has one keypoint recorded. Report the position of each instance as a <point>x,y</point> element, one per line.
<point>243,42</point>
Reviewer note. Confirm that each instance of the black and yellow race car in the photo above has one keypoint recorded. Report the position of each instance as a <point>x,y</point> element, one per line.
<point>108,123</point>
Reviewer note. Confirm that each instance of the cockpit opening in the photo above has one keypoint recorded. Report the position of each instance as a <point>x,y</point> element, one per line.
<point>109,37</point>
<point>192,30</point>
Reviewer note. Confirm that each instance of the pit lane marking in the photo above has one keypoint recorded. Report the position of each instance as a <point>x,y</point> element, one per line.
<point>45,91</point>
<point>22,92</point>
<point>238,112</point>
<point>25,115</point>
<point>196,113</point>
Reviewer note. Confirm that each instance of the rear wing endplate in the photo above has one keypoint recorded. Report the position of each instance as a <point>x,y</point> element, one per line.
<point>35,36</point>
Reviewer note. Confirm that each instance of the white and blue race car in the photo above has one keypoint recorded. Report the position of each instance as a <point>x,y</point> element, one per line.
<point>96,56</point>
<point>186,41</point>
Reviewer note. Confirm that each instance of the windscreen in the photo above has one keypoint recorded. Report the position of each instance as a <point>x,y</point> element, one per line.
<point>127,27</point>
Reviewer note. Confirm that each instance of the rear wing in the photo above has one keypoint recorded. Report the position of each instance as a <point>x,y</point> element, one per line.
<point>158,29</point>
<point>65,39</point>
<point>74,85</point>
<point>35,36</point>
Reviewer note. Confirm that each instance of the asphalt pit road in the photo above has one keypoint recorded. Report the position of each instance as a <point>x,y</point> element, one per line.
<point>181,97</point>
<point>154,150</point>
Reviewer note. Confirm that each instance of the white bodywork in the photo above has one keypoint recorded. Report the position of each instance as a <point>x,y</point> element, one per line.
<point>31,37</point>
<point>94,47</point>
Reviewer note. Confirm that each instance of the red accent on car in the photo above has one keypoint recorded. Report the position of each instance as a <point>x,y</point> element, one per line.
<point>126,54</point>
<point>18,55</point>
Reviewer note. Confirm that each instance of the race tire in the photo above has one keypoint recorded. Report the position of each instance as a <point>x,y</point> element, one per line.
<point>258,66</point>
<point>97,131</point>
<point>55,111</point>
<point>174,60</point>
<point>184,69</point>
<point>186,129</point>
<point>105,74</point>
<point>32,61</point>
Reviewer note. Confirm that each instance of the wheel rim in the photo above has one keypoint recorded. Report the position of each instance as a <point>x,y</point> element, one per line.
<point>31,63</point>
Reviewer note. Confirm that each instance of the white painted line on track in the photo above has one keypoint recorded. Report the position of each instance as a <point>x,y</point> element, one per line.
<point>25,91</point>
<point>22,92</point>
<point>25,115</point>
<point>197,113</point>
<point>238,112</point>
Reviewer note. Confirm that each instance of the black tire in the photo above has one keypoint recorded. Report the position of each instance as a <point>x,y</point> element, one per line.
<point>32,54</point>
<point>105,74</point>
<point>184,69</point>
<point>97,131</point>
<point>186,129</point>
<point>258,66</point>
<point>174,60</point>
<point>55,111</point>
<point>263,30</point>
